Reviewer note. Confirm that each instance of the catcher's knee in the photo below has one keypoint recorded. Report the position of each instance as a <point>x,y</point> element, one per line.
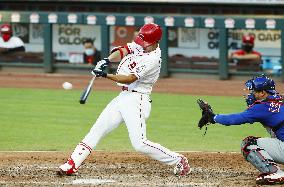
<point>247,144</point>
<point>254,154</point>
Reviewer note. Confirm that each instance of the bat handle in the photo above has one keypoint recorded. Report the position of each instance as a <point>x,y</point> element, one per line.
<point>94,78</point>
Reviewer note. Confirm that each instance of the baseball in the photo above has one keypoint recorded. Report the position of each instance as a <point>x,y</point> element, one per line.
<point>67,85</point>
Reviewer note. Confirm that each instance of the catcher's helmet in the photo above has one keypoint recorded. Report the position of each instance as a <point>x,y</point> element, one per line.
<point>148,35</point>
<point>6,28</point>
<point>261,83</point>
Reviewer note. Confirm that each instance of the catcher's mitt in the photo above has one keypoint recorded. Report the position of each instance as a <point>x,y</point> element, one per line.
<point>207,114</point>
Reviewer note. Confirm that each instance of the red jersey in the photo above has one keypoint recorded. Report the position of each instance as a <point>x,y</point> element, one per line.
<point>242,52</point>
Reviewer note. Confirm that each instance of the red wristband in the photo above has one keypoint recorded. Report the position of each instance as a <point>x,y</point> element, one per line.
<point>121,53</point>
<point>128,50</point>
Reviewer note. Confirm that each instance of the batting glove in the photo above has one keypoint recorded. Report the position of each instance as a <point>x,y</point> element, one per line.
<point>102,64</point>
<point>99,73</point>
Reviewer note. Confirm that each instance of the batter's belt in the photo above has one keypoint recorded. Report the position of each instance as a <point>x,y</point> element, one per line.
<point>125,88</point>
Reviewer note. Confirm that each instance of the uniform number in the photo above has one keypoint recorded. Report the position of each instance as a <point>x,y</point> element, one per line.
<point>274,107</point>
<point>132,65</point>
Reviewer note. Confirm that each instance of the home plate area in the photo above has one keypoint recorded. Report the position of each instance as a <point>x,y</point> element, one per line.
<point>124,169</point>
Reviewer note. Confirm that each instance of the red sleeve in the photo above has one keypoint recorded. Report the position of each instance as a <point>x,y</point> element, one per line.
<point>242,52</point>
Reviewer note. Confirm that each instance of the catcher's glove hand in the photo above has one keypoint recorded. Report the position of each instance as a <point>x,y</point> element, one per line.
<point>207,114</point>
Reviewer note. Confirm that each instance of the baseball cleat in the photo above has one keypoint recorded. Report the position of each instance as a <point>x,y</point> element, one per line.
<point>182,168</point>
<point>270,178</point>
<point>68,168</point>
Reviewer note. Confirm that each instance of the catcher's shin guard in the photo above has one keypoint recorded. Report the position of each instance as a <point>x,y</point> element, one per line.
<point>258,157</point>
<point>261,163</point>
<point>182,168</point>
<point>78,156</point>
<point>248,141</point>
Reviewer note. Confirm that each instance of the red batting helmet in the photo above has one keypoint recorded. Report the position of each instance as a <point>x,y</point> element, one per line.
<point>6,28</point>
<point>248,39</point>
<point>148,35</point>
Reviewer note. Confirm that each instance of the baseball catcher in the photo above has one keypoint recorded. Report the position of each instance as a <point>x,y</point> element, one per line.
<point>265,105</point>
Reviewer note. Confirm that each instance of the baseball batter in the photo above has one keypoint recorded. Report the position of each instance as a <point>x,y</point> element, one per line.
<point>265,105</point>
<point>139,68</point>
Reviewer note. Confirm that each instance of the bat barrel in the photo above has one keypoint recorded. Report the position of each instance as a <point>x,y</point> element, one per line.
<point>82,101</point>
<point>86,92</point>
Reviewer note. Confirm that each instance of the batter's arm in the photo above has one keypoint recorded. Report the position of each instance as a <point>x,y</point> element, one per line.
<point>117,55</point>
<point>124,79</point>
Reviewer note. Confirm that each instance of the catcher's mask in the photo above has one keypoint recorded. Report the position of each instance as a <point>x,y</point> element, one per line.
<point>261,83</point>
<point>148,35</point>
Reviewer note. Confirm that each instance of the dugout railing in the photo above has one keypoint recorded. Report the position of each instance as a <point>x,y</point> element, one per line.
<point>222,23</point>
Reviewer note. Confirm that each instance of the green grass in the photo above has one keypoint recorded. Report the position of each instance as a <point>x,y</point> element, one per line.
<point>41,119</point>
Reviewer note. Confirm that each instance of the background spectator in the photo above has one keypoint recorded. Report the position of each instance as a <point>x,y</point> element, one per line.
<point>247,52</point>
<point>91,54</point>
<point>8,42</point>
<point>246,58</point>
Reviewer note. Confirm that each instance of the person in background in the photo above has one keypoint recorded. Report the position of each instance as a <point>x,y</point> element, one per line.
<point>91,54</point>
<point>8,42</point>
<point>246,53</point>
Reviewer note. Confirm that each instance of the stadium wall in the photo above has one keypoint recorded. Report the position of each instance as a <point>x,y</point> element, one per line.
<point>216,36</point>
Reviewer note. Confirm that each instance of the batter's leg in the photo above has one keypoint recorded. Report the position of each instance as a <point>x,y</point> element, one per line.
<point>134,117</point>
<point>108,120</point>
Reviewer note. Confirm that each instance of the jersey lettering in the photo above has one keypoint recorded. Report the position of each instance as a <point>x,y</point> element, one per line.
<point>145,66</point>
<point>274,107</point>
<point>132,65</point>
<point>140,69</point>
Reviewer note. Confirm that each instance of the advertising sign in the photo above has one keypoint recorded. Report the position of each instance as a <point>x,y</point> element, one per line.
<point>69,38</point>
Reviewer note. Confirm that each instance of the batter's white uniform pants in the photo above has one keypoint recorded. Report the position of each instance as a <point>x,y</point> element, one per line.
<point>133,108</point>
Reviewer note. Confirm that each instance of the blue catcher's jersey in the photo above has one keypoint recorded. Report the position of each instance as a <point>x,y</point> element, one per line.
<point>269,112</point>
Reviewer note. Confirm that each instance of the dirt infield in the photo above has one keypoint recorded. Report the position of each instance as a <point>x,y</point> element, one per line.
<point>125,168</point>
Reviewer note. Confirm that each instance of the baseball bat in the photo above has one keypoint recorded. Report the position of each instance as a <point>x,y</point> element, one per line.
<point>87,91</point>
